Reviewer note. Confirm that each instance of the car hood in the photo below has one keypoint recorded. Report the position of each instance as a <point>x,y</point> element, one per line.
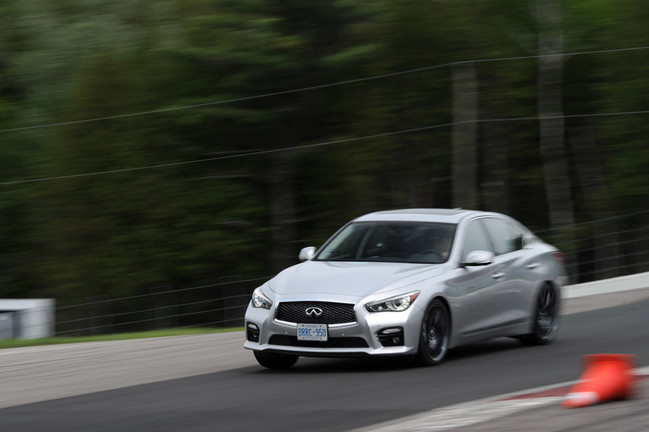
<point>318,279</point>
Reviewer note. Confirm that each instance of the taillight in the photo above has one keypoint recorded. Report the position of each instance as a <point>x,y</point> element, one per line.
<point>559,257</point>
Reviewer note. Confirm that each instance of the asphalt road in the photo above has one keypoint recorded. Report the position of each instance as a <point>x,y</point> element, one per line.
<point>235,394</point>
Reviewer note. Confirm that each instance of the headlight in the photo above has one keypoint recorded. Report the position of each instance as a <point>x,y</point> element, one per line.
<point>393,304</point>
<point>259,300</point>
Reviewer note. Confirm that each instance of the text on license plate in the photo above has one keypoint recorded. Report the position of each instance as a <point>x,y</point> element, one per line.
<point>312,332</point>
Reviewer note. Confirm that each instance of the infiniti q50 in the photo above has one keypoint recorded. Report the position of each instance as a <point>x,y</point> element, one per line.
<point>414,283</point>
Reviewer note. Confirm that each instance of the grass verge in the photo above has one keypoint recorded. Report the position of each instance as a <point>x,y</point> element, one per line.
<point>15,343</point>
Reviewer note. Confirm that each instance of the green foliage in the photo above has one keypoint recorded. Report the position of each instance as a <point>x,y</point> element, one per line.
<point>125,229</point>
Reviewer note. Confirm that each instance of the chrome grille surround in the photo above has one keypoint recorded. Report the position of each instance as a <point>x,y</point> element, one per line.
<point>332,313</point>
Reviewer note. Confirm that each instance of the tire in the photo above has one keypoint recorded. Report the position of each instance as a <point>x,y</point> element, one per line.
<point>545,320</point>
<point>275,361</point>
<point>434,334</point>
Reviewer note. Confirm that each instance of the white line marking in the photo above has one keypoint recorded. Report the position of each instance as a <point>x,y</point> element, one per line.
<point>470,413</point>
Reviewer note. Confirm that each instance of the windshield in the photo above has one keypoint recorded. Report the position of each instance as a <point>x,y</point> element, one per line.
<point>415,242</point>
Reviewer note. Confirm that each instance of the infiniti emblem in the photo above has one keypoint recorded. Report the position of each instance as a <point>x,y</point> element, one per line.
<point>313,312</point>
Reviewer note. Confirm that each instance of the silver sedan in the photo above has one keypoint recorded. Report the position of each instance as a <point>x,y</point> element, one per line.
<point>413,282</point>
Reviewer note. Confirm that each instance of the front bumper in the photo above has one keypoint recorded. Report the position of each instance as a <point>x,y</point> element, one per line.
<point>365,337</point>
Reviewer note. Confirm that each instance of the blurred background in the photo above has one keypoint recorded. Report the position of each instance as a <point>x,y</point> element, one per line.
<point>160,159</point>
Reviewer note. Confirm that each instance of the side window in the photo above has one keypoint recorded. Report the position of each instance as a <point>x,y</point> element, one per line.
<point>506,236</point>
<point>518,236</point>
<point>475,239</point>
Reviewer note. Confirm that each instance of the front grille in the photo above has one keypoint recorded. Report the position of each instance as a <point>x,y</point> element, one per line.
<point>335,342</point>
<point>332,313</point>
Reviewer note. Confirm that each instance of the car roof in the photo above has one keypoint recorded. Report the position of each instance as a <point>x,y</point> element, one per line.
<point>421,215</point>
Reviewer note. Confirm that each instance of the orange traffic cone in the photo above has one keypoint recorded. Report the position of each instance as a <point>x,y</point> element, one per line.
<point>606,377</point>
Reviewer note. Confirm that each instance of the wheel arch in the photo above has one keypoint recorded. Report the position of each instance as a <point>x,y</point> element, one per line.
<point>542,283</point>
<point>552,284</point>
<point>532,338</point>
<point>427,339</point>
<point>447,305</point>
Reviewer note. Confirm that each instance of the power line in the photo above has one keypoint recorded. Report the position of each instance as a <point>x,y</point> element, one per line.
<point>227,101</point>
<point>169,291</point>
<point>240,155</point>
<point>540,56</point>
<point>317,87</point>
<point>322,144</point>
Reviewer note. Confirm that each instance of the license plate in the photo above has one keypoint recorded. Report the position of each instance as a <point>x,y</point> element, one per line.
<point>312,332</point>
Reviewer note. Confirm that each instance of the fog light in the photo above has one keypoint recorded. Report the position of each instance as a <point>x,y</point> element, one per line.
<point>252,332</point>
<point>392,336</point>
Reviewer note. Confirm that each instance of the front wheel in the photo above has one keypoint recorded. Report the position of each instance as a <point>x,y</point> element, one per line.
<point>434,334</point>
<point>275,361</point>
<point>545,324</point>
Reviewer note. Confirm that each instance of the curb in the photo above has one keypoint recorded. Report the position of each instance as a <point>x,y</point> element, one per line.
<point>482,410</point>
<point>606,286</point>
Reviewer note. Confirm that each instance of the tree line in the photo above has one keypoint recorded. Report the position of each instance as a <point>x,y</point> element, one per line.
<point>173,143</point>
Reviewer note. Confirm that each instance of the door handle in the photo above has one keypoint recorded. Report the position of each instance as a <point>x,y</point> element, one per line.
<point>498,275</point>
<point>533,266</point>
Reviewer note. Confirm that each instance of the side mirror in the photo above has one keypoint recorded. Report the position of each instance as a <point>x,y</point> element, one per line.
<point>307,253</point>
<point>478,258</point>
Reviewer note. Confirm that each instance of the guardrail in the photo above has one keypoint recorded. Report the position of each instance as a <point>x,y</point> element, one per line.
<point>604,248</point>
<point>215,305</point>
<point>598,254</point>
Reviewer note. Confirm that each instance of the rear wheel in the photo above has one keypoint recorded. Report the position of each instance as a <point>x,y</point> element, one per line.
<point>275,361</point>
<point>545,324</point>
<point>434,334</point>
